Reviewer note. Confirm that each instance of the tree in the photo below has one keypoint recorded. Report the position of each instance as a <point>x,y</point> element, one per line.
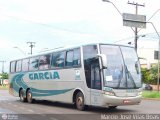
<point>145,75</point>
<point>154,74</point>
<point>4,75</point>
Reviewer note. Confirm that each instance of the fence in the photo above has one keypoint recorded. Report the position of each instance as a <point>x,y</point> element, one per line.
<point>4,81</point>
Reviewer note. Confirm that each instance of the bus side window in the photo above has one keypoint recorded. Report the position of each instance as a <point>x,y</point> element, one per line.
<point>44,62</point>
<point>18,66</point>
<point>12,66</point>
<point>69,58</point>
<point>25,64</point>
<point>57,60</point>
<point>33,63</point>
<point>73,58</point>
<point>76,58</point>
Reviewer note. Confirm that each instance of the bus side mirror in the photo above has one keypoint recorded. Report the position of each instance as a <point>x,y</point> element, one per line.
<point>104,60</point>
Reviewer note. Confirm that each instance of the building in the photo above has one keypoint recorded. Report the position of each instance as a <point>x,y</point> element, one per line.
<point>146,56</point>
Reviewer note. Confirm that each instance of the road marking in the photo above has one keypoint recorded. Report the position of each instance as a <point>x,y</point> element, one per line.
<point>3,99</point>
<point>29,110</point>
<point>22,108</point>
<point>15,105</point>
<point>39,113</point>
<point>53,118</point>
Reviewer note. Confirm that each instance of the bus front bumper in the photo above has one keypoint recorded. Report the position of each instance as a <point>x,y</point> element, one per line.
<point>120,101</point>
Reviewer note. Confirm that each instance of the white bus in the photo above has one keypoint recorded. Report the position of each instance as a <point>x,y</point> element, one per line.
<point>103,75</point>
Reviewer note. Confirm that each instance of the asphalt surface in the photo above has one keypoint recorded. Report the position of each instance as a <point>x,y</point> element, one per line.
<point>12,109</point>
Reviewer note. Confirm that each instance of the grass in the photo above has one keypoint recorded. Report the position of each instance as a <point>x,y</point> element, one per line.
<point>4,87</point>
<point>151,94</point>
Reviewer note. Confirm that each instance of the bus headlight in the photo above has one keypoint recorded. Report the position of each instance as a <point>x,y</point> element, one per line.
<point>139,92</point>
<point>110,93</point>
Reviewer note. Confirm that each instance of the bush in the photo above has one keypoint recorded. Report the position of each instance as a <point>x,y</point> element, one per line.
<point>150,76</point>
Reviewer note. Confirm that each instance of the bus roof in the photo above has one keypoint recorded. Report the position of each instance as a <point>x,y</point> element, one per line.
<point>76,46</point>
<point>67,48</point>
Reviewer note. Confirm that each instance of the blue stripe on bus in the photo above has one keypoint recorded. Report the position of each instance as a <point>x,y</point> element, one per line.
<point>18,82</point>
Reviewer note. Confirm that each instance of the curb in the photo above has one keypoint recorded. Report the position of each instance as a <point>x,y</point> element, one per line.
<point>157,99</point>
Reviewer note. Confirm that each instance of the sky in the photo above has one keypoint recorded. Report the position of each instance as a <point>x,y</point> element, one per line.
<point>59,23</point>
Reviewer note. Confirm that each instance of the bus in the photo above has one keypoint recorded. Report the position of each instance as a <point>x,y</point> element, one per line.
<point>102,75</point>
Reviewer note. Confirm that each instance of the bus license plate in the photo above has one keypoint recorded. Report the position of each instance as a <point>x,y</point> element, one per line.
<point>126,101</point>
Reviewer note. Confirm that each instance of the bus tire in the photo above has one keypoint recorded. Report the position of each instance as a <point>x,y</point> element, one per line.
<point>29,96</point>
<point>21,96</point>
<point>112,107</point>
<point>80,101</point>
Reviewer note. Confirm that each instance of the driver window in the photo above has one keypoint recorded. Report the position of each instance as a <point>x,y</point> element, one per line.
<point>91,66</point>
<point>95,76</point>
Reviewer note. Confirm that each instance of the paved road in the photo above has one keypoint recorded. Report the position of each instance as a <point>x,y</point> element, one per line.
<point>59,111</point>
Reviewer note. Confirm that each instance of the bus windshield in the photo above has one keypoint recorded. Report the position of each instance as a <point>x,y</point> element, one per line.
<point>123,68</point>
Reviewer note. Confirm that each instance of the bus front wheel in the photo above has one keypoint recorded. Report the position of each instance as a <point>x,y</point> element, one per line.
<point>80,101</point>
<point>29,96</point>
<point>112,107</point>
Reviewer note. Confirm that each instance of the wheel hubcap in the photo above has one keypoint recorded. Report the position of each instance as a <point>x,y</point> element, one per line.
<point>21,96</point>
<point>29,96</point>
<point>80,101</point>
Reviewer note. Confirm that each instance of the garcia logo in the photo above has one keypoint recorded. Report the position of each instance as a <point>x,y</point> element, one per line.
<point>44,75</point>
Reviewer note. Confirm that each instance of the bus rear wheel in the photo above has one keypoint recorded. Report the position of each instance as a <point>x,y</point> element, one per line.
<point>21,95</point>
<point>80,101</point>
<point>29,96</point>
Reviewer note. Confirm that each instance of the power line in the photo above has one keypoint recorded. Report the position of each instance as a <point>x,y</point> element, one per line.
<point>43,24</point>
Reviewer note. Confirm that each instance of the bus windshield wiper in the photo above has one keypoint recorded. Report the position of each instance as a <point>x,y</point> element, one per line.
<point>129,76</point>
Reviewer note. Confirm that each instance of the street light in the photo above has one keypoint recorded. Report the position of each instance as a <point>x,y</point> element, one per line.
<point>151,17</point>
<point>158,52</point>
<point>20,50</point>
<point>113,5</point>
<point>116,9</point>
<point>131,43</point>
<point>158,44</point>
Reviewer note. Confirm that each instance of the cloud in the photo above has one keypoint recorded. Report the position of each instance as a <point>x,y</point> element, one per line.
<point>103,21</point>
<point>3,18</point>
<point>5,44</point>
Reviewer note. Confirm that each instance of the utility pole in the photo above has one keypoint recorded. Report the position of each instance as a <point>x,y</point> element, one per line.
<point>136,29</point>
<point>32,44</point>
<point>2,65</point>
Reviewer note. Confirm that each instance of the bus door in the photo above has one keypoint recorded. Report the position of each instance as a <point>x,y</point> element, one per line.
<point>96,93</point>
